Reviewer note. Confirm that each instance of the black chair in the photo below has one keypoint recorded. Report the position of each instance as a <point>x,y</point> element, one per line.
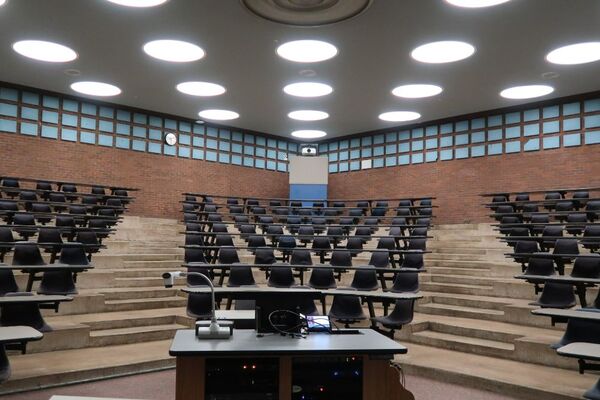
<point>579,330</point>
<point>347,309</point>
<point>306,234</point>
<point>556,295</point>
<point>565,246</point>
<point>380,259</point>
<point>189,217</point>
<point>246,231</point>
<point>100,191</point>
<point>576,218</point>
<point>355,245</point>
<point>63,282</point>
<point>425,211</point>
<point>403,212</point>
<point>522,197</point>
<point>504,209</point>
<point>590,232</point>
<point>286,244</point>
<point>406,282</point>
<point>540,266</point>
<point>592,209</point>
<point>199,305</point>
<point>335,234</point>
<point>401,315</point>
<point>274,232</point>
<point>232,201</point>
<point>90,239</point>
<point>580,198</point>
<point>322,245</point>
<point>322,278</point>
<point>341,259</point>
<point>586,267</point>
<point>8,283</point>
<point>281,276</point>
<point>100,228</point>
<point>517,232</point>
<point>525,247</point>
<point>28,197</point>
<point>6,237</point>
<point>553,232</point>
<point>228,255</point>
<point>417,244</point>
<point>27,254</point>
<point>25,219</point>
<point>224,240</point>
<point>65,221</point>
<point>51,236</point>
<point>409,203</point>
<point>365,278</point>
<point>240,219</point>
<point>192,255</point>
<point>425,202</point>
<point>293,224</point>
<point>412,260</point>
<point>378,211</point>
<point>264,255</point>
<point>319,224</point>
<point>240,275</point>
<point>27,314</point>
<point>255,242</point>
<point>538,219</point>
<point>68,188</point>
<point>194,281</point>
<point>274,203</point>
<point>301,257</point>
<point>552,196</point>
<point>210,208</point>
<point>236,210</point>
<point>11,183</point>
<point>364,232</point>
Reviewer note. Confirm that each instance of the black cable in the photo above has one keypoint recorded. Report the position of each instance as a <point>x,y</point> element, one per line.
<point>290,330</point>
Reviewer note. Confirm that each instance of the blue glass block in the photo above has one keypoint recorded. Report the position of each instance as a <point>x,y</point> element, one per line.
<point>224,146</point>
<point>155,121</point>
<point>106,126</point>
<point>416,158</point>
<point>89,109</point>
<point>183,152</point>
<point>391,137</point>
<point>107,112</point>
<point>446,141</point>
<point>446,155</point>
<point>355,142</point>
<point>8,126</point>
<point>368,152</point>
<point>495,120</point>
<point>248,138</point>
<point>478,151</point>
<point>185,139</point>
<point>571,124</point>
<point>248,162</point>
<point>281,145</point>
<point>271,154</point>
<point>259,163</point>
<point>404,160</point>
<point>49,132</point>
<point>571,140</point>
<point>170,124</point>
<point>69,135</point>
<point>249,150</point>
<point>198,154</point>
<point>50,102</point>
<point>513,146</point>
<point>431,156</point>
<point>282,155</point>
<point>550,112</point>
<point>571,108</point>
<point>333,146</point>
<point>461,126</point>
<point>462,139</point>
<point>404,135</point>
<point>67,119</point>
<point>237,136</point>
<point>532,145</point>
<point>211,144</point>
<point>236,148</point>
<point>87,137</point>
<point>123,143</point>
<point>495,134</point>
<point>211,156</point>
<point>391,149</point>
<point>417,133</point>
<point>494,149</point>
<point>140,118</point>
<point>404,147</point>
<point>271,143</point>
<point>323,148</point>
<point>70,105</point>
<point>592,137</point>
<point>377,162</point>
<point>138,145</point>
<point>236,160</point>
<point>552,142</point>
<point>592,121</point>
<point>293,148</point>
<point>354,165</point>
<point>198,141</point>
<point>378,151</point>
<point>531,129</point>
<point>271,164</point>
<point>198,129</point>
<point>123,115</point>
<point>10,110</point>
<point>513,132</point>
<point>378,139</point>
<point>9,94</point>
<point>28,129</point>
<point>367,140</point>
<point>343,155</point>
<point>550,127</point>
<point>513,118</point>
<point>105,140</point>
<point>446,128</point>
<point>416,145</point>
<point>354,154</point>
<point>224,134</point>
<point>169,150</point>
<point>333,168</point>
<point>431,130</point>
<point>431,143</point>
<point>154,147</point>
<point>531,115</point>
<point>390,161</point>
<point>281,167</point>
<point>344,167</point>
<point>31,98</point>
<point>155,134</point>
<point>478,137</point>
<point>88,123</point>
<point>261,141</point>
<point>462,152</point>
<point>479,123</point>
<point>591,105</point>
<point>32,113</point>
<point>260,152</point>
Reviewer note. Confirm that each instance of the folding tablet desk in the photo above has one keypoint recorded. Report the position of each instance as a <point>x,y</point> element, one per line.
<point>287,367</point>
<point>14,335</point>
<point>25,310</point>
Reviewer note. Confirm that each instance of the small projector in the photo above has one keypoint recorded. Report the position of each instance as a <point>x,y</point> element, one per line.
<point>309,151</point>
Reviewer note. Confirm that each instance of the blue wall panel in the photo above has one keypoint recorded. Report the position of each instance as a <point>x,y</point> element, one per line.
<point>306,191</point>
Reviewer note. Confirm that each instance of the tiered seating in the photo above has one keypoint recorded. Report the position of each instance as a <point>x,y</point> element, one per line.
<point>283,236</point>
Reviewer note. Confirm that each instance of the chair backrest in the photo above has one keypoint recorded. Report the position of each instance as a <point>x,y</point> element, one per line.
<point>380,259</point>
<point>408,203</point>
<point>425,211</point>
<point>418,231</point>
<point>552,196</point>
<point>406,282</point>
<point>579,330</point>
<point>522,197</point>
<point>241,219</point>
<point>499,199</point>
<point>425,202</point>
<point>240,275</point>
<point>417,244</point>
<point>301,257</point>
<point>566,246</point>
<point>114,203</point>
<point>293,220</point>
<point>49,235</point>
<point>199,305</point>
<point>530,208</point>
<point>371,221</point>
<point>266,220</point>
<point>191,240</point>
<point>378,211</point>
<point>6,235</point>
<point>27,254</point>
<point>386,243</point>
<point>57,198</point>
<point>100,190</point>
<point>93,200</point>
<point>10,182</point>
<point>586,267</point>
<point>219,228</point>
<point>322,278</point>
<point>210,208</point>
<point>286,242</point>
<point>264,255</point>
<point>194,255</point>
<point>281,276</point>
<point>247,229</point>
<point>540,266</point>
<point>335,231</point>
<point>9,206</point>
<point>566,205</point>
<point>232,201</point>
<point>398,221</point>
<point>403,211</point>
<point>28,195</point>
<point>256,241</point>
<point>341,258</point>
<point>214,218</point>
<point>306,230</point>
<point>355,212</point>
<point>321,242</point>
<point>274,230</point>
<point>73,255</point>
<point>579,218</point>
<point>526,246</point>
<point>274,203</point>
<point>224,240</point>
<point>339,204</point>
<point>354,244</point>
<point>557,295</point>
<point>365,278</point>
<point>236,210</point>
<point>412,260</point>
<point>43,186</point>
<point>196,280</point>
<point>362,231</point>
<point>40,208</point>
<point>259,210</point>
<point>553,231</point>
<point>68,188</point>
<point>402,314</point>
<point>228,255</point>
<point>23,219</point>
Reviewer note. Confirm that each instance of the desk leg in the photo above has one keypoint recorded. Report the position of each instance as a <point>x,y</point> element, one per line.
<point>285,378</point>
<point>380,381</point>
<point>189,376</point>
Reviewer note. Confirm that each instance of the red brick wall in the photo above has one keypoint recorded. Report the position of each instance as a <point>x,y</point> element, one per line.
<point>457,183</point>
<point>161,179</point>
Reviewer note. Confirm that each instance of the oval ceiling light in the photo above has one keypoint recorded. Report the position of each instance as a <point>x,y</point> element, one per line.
<point>204,89</point>
<point>308,115</point>
<point>526,92</point>
<point>139,3</point>
<point>96,88</point>
<point>44,51</point>
<point>218,115</point>
<point>416,91</point>
<point>579,53</point>
<point>2,2</point>
<point>476,3</point>
<point>307,89</point>
<point>444,51</point>
<point>309,134</point>
<point>173,50</point>
<point>307,51</point>
<point>399,116</point>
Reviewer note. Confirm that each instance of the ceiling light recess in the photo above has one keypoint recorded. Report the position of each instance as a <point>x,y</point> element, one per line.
<point>308,115</point>
<point>526,92</point>
<point>444,51</point>
<point>308,89</point>
<point>476,3</point>
<point>307,51</point>
<point>173,50</point>
<point>578,53</point>
<point>416,91</point>
<point>44,51</point>
<point>309,134</point>
<point>139,3</point>
<point>218,115</point>
<point>399,116</point>
<point>204,89</point>
<point>96,88</point>
<point>2,2</point>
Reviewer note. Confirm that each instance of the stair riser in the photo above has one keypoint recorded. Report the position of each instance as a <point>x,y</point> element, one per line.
<point>468,302</point>
<point>111,340</point>
<point>468,280</point>
<point>130,323</point>
<point>460,314</point>
<point>462,347</point>
<point>474,333</point>
<point>140,294</point>
<point>145,306</point>
<point>433,287</point>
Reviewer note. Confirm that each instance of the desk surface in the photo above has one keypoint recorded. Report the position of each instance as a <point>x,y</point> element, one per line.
<point>575,314</point>
<point>10,334</point>
<point>236,315</point>
<point>46,267</point>
<point>588,351</point>
<point>244,342</point>
<point>39,298</point>
<point>559,279</point>
<point>56,397</point>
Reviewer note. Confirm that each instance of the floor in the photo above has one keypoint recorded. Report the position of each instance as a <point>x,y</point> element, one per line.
<point>161,386</point>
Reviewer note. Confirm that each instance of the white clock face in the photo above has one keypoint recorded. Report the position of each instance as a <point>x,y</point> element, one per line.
<point>170,139</point>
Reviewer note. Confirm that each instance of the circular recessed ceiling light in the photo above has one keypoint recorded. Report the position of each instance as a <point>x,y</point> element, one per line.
<point>416,91</point>
<point>2,2</point>
<point>173,50</point>
<point>201,88</point>
<point>308,134</point>
<point>218,115</point>
<point>308,115</point>
<point>307,51</point>
<point>526,92</point>
<point>579,53</point>
<point>95,88</point>
<point>399,116</point>
<point>139,3</point>
<point>476,3</point>
<point>308,89</point>
<point>443,52</point>
<point>44,51</point>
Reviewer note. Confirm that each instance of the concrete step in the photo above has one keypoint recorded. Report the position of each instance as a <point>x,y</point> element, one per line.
<point>138,293</point>
<point>125,319</point>
<point>144,304</point>
<point>433,270</point>
<point>461,311</point>
<point>492,303</point>
<point>472,280</point>
<point>462,343</point>
<point>140,272</point>
<point>153,264</point>
<point>137,334</point>
<point>456,288</point>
